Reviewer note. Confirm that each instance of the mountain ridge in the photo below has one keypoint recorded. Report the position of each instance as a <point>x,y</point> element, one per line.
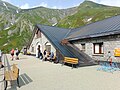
<point>17,24</point>
<point>89,12</point>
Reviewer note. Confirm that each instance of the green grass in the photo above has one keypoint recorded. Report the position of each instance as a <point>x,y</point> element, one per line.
<point>96,13</point>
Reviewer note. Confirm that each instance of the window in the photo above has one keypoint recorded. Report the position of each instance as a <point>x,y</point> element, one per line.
<point>98,48</point>
<point>48,48</point>
<point>83,47</point>
<point>32,49</point>
<point>38,34</point>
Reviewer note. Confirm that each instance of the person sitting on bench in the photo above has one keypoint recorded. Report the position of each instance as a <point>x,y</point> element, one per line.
<point>47,56</point>
<point>51,56</point>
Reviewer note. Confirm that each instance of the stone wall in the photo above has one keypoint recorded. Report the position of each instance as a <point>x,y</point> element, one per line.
<point>109,44</point>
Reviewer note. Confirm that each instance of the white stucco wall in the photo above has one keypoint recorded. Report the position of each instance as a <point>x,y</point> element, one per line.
<point>44,40</point>
<point>41,41</point>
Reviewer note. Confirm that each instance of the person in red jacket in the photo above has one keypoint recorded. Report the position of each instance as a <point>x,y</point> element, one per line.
<point>12,53</point>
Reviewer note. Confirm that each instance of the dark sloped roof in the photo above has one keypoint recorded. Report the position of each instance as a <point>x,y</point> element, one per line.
<point>101,28</point>
<point>55,35</point>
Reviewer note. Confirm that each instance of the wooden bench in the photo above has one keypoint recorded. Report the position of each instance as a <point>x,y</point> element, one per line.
<point>73,61</point>
<point>11,75</point>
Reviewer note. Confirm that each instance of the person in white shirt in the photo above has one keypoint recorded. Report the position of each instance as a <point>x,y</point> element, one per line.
<point>17,53</point>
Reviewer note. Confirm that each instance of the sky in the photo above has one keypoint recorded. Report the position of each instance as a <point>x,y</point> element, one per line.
<point>57,4</point>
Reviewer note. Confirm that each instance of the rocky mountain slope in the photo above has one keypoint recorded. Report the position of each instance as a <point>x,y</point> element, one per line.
<point>88,12</point>
<point>16,25</point>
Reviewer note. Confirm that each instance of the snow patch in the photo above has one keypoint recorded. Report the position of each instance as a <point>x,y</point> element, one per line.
<point>17,11</point>
<point>89,19</point>
<point>11,23</point>
<point>54,24</point>
<point>5,44</point>
<point>5,6</point>
<point>7,28</point>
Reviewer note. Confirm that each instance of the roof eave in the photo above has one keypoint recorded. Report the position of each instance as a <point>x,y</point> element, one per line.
<point>93,36</point>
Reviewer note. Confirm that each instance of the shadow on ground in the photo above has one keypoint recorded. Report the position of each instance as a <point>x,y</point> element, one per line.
<point>78,66</point>
<point>24,79</point>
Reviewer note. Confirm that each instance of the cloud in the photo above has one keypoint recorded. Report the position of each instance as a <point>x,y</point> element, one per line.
<point>108,2</point>
<point>54,7</point>
<point>74,5</point>
<point>6,0</point>
<point>46,5</point>
<point>43,4</point>
<point>25,6</point>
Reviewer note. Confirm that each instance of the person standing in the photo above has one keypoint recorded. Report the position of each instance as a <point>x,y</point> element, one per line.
<point>39,51</point>
<point>1,65</point>
<point>25,51</point>
<point>12,53</point>
<point>51,56</point>
<point>17,53</point>
<point>44,52</point>
<point>40,55</point>
<point>109,58</point>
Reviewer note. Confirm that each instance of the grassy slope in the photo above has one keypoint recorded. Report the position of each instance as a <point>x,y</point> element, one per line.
<point>21,30</point>
<point>88,10</point>
<point>26,19</point>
